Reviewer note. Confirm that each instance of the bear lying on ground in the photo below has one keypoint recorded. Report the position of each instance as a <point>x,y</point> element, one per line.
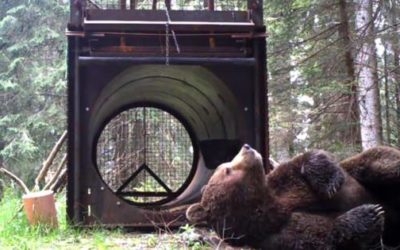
<point>314,181</point>
<point>246,207</point>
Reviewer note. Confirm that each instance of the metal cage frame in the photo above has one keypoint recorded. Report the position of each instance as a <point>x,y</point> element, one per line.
<point>205,67</point>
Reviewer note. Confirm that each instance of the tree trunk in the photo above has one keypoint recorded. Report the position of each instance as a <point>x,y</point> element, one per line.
<point>394,40</point>
<point>387,99</point>
<point>284,133</point>
<point>368,89</point>
<point>349,112</point>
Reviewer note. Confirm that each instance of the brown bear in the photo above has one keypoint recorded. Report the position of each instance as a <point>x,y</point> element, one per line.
<point>246,207</point>
<point>314,181</point>
<point>367,176</point>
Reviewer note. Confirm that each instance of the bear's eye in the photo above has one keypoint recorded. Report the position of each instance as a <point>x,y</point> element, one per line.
<point>228,171</point>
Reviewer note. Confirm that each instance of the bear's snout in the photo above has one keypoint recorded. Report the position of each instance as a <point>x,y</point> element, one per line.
<point>246,149</point>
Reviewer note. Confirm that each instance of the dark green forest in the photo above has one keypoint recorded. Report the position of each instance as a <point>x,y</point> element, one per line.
<point>324,59</point>
<point>333,75</point>
<point>32,81</point>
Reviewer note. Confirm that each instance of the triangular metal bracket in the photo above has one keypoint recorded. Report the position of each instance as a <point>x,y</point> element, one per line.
<point>143,167</point>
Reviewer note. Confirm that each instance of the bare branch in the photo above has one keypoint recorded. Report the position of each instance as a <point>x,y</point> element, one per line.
<point>49,160</point>
<point>57,173</point>
<point>60,179</point>
<point>15,179</point>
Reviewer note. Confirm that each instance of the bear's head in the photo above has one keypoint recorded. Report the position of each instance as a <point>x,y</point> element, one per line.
<point>235,202</point>
<point>247,163</point>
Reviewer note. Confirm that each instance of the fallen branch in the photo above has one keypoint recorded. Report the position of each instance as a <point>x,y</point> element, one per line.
<point>57,173</point>
<point>15,179</point>
<point>59,188</point>
<point>49,160</point>
<point>59,181</point>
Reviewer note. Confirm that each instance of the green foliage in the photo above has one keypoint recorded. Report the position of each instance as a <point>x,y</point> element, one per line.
<point>308,78</point>
<point>32,81</point>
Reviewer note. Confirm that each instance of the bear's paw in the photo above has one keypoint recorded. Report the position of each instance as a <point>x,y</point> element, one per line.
<point>322,173</point>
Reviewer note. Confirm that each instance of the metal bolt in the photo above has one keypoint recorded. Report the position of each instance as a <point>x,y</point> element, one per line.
<point>246,109</point>
<point>87,109</point>
<point>102,188</point>
<point>118,203</point>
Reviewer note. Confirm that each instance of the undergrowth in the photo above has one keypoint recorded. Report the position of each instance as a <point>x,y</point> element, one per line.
<point>16,233</point>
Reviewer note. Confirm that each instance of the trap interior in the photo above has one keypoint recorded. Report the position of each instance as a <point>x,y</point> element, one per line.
<point>146,156</point>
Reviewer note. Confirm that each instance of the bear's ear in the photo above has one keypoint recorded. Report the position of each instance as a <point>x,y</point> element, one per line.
<point>196,213</point>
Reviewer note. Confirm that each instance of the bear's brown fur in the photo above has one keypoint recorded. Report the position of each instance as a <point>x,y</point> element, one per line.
<point>379,166</point>
<point>314,181</point>
<point>358,228</point>
<point>378,170</point>
<point>240,184</point>
<point>246,207</point>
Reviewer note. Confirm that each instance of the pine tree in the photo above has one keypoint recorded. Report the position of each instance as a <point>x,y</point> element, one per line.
<point>32,80</point>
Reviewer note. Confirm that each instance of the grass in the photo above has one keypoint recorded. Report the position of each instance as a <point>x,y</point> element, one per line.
<point>16,233</point>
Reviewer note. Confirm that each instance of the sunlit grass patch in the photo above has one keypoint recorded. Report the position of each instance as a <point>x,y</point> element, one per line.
<point>16,233</point>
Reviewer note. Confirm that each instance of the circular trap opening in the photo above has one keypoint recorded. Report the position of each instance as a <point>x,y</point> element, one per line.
<point>146,155</point>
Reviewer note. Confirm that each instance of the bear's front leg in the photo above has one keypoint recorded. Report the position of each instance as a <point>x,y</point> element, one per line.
<point>322,172</point>
<point>306,181</point>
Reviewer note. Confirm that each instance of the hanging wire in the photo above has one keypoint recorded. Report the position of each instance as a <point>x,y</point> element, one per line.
<point>173,32</point>
<point>167,43</point>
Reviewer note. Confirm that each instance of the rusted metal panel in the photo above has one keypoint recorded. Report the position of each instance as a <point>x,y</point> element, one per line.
<point>193,35</point>
<point>154,51</point>
<point>160,60</point>
<point>261,99</point>
<point>175,15</point>
<point>117,25</point>
<point>79,12</point>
